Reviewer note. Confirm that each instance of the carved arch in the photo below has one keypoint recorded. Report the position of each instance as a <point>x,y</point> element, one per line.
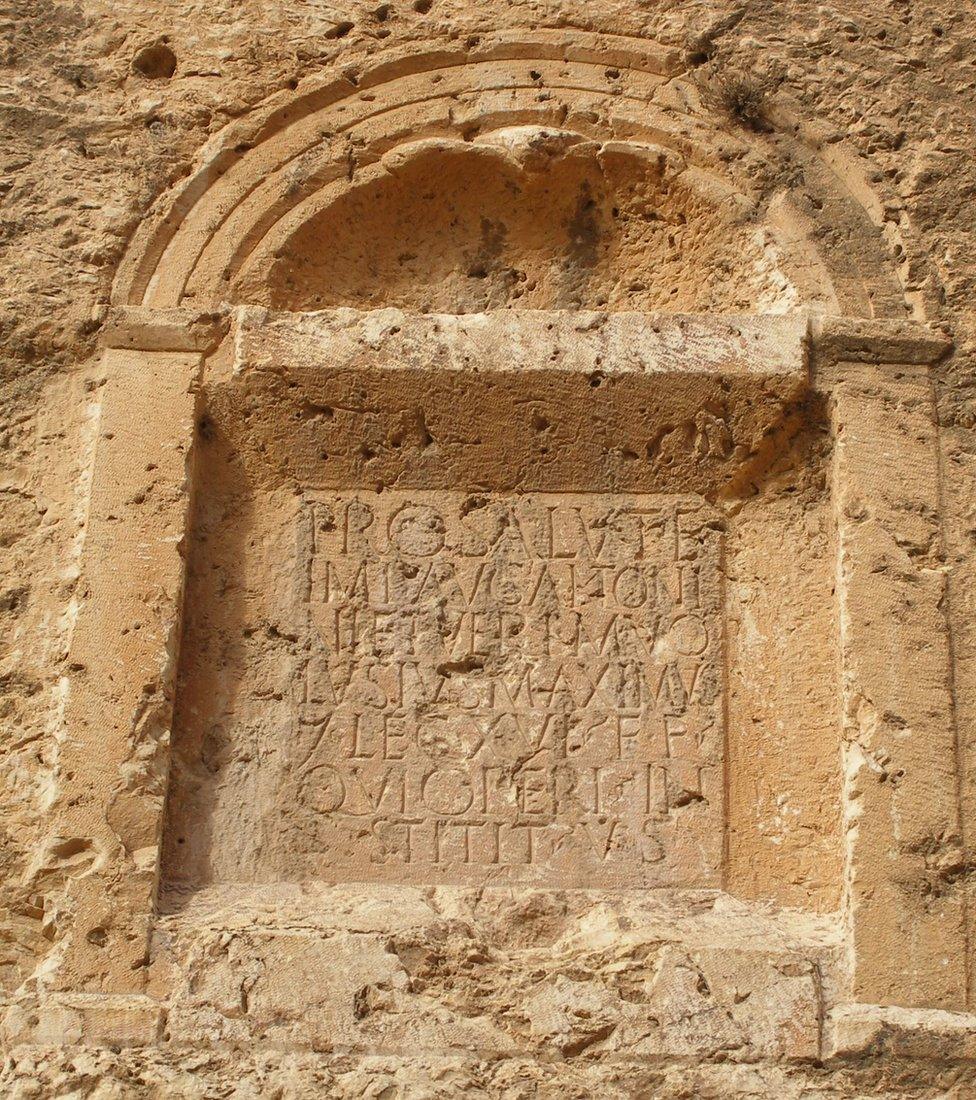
<point>218,235</point>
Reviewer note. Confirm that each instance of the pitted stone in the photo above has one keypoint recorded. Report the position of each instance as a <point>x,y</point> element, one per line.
<point>508,689</point>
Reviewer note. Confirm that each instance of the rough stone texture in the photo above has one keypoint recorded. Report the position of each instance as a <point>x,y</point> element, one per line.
<point>555,411</point>
<point>473,691</point>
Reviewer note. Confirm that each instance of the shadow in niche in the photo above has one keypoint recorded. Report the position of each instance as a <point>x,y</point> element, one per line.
<point>532,219</point>
<point>790,458</point>
<point>216,635</point>
<point>242,631</point>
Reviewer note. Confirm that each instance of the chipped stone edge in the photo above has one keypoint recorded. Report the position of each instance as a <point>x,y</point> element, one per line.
<point>142,328</point>
<point>861,340</point>
<point>833,338</point>
<point>853,1031</point>
<point>82,1019</point>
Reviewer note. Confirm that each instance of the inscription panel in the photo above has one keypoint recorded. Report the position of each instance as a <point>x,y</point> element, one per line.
<point>495,688</point>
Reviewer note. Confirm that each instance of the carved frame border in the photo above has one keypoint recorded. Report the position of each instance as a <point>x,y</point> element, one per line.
<point>907,932</point>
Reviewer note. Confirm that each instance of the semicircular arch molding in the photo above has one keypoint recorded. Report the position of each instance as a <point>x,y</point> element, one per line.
<point>265,188</point>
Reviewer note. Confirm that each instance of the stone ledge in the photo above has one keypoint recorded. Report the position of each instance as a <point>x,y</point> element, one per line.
<point>859,340</point>
<point>141,328</point>
<point>858,1031</point>
<point>542,401</point>
<point>629,976</point>
<point>89,1019</point>
<point>851,1032</point>
<point>530,341</point>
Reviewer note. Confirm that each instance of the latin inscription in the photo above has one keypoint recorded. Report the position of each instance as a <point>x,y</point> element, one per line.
<point>509,689</point>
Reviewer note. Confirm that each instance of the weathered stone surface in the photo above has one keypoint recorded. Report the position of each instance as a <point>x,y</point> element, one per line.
<point>488,551</point>
<point>508,689</point>
<point>543,400</point>
<point>90,1019</point>
<point>548,973</point>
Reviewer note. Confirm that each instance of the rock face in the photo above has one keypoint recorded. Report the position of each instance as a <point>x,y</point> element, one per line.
<point>488,549</point>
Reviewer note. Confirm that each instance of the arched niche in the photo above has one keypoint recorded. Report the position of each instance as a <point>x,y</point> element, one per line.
<point>737,221</point>
<point>548,239</point>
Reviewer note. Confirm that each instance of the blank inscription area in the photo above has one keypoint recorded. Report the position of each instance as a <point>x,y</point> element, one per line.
<point>508,689</point>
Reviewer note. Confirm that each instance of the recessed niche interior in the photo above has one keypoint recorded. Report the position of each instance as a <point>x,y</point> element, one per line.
<point>529,218</point>
<point>364,461</point>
